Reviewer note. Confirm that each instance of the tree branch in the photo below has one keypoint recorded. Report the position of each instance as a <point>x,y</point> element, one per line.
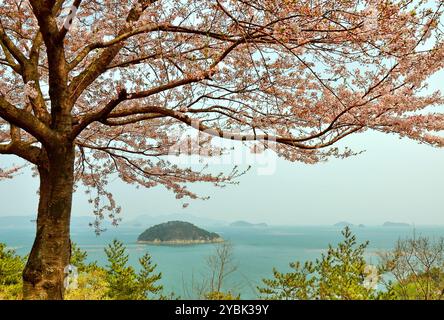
<point>26,121</point>
<point>100,115</point>
<point>23,150</point>
<point>99,65</point>
<point>198,125</point>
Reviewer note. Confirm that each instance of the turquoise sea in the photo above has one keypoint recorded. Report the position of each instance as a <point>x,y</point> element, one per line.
<point>256,250</point>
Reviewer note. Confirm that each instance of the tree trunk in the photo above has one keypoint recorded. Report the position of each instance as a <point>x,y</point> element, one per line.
<point>43,277</point>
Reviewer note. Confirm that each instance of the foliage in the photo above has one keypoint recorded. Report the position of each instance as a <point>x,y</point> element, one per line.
<point>78,258</point>
<point>177,231</point>
<point>147,278</point>
<point>123,282</point>
<point>295,285</point>
<point>120,277</point>
<point>216,295</point>
<point>116,280</point>
<point>91,279</point>
<point>415,269</point>
<point>341,273</point>
<point>11,267</point>
<point>91,285</point>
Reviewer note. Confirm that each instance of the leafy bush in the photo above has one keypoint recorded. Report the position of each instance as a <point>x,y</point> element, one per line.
<point>11,267</point>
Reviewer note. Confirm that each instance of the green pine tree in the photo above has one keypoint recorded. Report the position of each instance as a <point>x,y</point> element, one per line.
<point>78,258</point>
<point>121,278</point>
<point>123,282</point>
<point>341,273</point>
<point>147,278</point>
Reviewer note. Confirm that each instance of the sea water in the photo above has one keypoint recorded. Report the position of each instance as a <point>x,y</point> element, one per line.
<point>256,251</point>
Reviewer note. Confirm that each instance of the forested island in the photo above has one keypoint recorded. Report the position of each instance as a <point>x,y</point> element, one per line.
<point>177,232</point>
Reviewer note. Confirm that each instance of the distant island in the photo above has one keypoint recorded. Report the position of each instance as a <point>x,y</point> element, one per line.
<point>348,224</point>
<point>344,224</point>
<point>247,224</point>
<point>395,224</point>
<point>177,232</point>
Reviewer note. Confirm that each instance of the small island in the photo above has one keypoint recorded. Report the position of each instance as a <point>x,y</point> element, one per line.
<point>247,224</point>
<point>395,224</point>
<point>177,233</point>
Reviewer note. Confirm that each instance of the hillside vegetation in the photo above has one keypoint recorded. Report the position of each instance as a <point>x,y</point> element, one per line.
<point>177,232</point>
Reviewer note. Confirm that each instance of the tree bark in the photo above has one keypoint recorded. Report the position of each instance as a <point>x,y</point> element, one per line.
<point>43,277</point>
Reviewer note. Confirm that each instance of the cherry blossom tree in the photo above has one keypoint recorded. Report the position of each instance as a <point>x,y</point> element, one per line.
<point>92,89</point>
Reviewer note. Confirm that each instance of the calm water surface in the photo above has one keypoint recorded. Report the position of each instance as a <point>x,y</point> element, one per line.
<point>256,250</point>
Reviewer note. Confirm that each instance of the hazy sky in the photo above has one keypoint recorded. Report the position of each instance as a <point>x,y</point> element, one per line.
<point>395,179</point>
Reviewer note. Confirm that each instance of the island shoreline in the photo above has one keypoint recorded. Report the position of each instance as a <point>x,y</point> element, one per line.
<point>181,242</point>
